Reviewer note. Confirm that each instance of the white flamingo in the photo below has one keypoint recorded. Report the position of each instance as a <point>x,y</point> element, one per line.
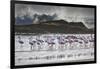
<point>50,43</point>
<point>32,43</point>
<point>20,41</point>
<point>61,42</point>
<point>39,43</point>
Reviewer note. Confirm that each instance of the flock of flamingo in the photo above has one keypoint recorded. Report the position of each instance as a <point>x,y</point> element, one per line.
<point>54,42</point>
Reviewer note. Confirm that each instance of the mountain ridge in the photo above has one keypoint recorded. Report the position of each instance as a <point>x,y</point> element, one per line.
<point>56,26</point>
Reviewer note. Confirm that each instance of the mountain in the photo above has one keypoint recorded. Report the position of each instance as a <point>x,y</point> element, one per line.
<point>57,26</point>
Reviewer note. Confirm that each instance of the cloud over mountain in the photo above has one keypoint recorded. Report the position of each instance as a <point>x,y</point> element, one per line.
<point>38,13</point>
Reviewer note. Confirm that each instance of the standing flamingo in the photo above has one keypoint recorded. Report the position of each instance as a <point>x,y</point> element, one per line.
<point>85,41</point>
<point>92,41</point>
<point>39,43</point>
<point>62,43</point>
<point>32,42</point>
<point>20,41</point>
<point>70,40</point>
<point>50,43</point>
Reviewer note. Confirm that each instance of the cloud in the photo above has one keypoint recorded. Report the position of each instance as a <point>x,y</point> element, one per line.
<point>44,17</point>
<point>46,12</point>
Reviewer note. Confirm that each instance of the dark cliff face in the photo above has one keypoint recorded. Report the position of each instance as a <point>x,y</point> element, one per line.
<point>56,26</point>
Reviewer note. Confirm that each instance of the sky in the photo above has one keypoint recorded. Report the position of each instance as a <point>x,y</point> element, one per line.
<point>45,12</point>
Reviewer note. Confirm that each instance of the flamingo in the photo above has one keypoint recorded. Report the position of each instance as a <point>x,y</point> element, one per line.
<point>31,42</point>
<point>50,43</point>
<point>39,43</point>
<point>61,41</point>
<point>85,41</point>
<point>92,41</point>
<point>20,41</point>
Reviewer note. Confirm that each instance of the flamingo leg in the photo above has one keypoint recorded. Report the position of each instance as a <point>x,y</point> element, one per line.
<point>31,47</point>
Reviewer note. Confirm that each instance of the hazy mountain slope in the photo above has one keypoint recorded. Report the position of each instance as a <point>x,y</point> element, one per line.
<point>58,26</point>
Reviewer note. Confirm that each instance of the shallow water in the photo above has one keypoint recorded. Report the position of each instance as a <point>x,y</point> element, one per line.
<point>67,52</point>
